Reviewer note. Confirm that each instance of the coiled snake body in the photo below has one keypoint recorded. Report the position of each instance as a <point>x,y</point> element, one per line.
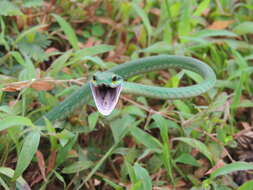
<point>105,87</point>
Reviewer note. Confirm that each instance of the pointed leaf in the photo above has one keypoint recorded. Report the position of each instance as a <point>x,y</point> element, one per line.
<point>198,145</point>
<point>68,30</point>
<point>146,139</point>
<point>31,143</point>
<point>11,121</point>
<point>246,186</point>
<point>77,167</point>
<point>229,168</point>
<point>143,176</point>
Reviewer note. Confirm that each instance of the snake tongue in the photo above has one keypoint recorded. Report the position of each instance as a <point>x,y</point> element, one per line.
<point>105,97</point>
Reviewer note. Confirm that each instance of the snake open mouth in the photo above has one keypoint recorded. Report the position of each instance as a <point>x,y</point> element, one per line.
<point>105,97</point>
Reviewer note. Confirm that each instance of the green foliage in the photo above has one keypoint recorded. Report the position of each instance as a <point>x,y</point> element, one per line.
<point>33,45</point>
<point>30,145</point>
<point>236,166</point>
<point>9,9</point>
<point>68,30</point>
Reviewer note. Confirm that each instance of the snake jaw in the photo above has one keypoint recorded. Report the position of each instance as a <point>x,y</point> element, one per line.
<point>105,97</point>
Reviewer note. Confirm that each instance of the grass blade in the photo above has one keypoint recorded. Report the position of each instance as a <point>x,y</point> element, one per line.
<point>144,18</point>
<point>68,30</point>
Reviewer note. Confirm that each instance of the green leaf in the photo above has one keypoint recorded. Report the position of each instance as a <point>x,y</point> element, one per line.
<point>229,168</point>
<point>33,45</point>
<point>20,183</point>
<point>121,126</point>
<point>29,31</point>
<point>77,167</point>
<point>94,50</point>
<point>95,60</point>
<point>3,184</point>
<point>162,123</point>
<point>198,145</point>
<point>133,110</point>
<point>197,78</point>
<point>158,47</point>
<point>146,139</point>
<point>32,3</point>
<point>18,58</point>
<point>181,106</point>
<point>51,130</point>
<point>30,146</point>
<point>246,186</point>
<point>143,176</point>
<point>201,8</point>
<point>246,104</point>
<point>68,30</point>
<point>29,72</point>
<point>187,159</point>
<point>59,63</point>
<point>97,30</point>
<point>65,136</point>
<point>92,120</point>
<point>184,25</point>
<point>112,184</point>
<point>237,97</point>
<point>213,33</point>
<point>144,18</point>
<point>11,121</point>
<point>9,9</point>
<point>59,177</point>
<point>63,151</point>
<point>244,28</point>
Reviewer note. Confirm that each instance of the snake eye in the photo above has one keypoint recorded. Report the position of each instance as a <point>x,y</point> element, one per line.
<point>94,78</point>
<point>114,78</point>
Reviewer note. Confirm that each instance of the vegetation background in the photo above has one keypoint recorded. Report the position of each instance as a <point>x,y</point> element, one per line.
<point>49,48</point>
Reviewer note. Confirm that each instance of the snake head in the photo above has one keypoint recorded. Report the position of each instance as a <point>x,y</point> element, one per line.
<point>106,88</point>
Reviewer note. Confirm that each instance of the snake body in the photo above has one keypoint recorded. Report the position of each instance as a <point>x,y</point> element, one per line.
<point>138,66</point>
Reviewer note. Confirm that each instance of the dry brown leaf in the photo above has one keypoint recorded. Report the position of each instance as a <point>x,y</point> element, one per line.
<point>51,49</point>
<point>90,42</point>
<point>15,87</point>
<point>66,70</point>
<point>42,85</point>
<point>155,11</point>
<point>51,161</point>
<point>41,164</point>
<point>219,164</point>
<point>220,24</point>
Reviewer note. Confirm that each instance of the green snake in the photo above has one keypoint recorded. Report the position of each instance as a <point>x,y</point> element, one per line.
<point>106,87</point>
